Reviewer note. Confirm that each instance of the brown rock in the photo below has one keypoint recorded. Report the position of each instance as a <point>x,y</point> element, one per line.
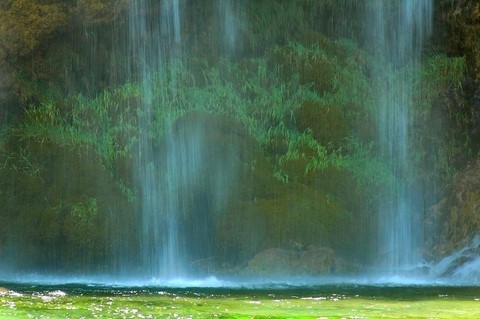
<point>275,262</point>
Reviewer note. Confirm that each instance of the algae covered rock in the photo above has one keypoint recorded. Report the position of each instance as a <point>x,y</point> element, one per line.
<point>295,213</point>
<point>58,202</point>
<point>311,64</point>
<point>327,123</point>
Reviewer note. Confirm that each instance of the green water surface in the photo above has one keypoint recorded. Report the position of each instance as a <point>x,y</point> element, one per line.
<point>328,301</point>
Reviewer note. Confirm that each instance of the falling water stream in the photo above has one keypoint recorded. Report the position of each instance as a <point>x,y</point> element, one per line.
<point>182,182</point>
<point>397,46</point>
<point>154,41</point>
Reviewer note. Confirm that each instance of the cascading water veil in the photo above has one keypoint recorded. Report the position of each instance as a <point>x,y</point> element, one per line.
<point>398,31</point>
<point>231,16</point>
<point>170,176</point>
<point>153,42</point>
<point>182,183</point>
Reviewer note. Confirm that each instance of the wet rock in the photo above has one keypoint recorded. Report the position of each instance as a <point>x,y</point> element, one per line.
<point>297,213</point>
<point>274,262</point>
<point>232,205</point>
<point>457,214</point>
<point>316,261</point>
<point>462,264</point>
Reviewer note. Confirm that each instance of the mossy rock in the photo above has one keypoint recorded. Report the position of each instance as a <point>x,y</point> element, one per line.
<point>338,182</point>
<point>362,124</point>
<point>311,38</point>
<point>58,203</point>
<point>276,146</point>
<point>43,48</point>
<point>317,71</point>
<point>341,184</point>
<point>211,162</point>
<point>327,123</point>
<point>225,141</point>
<point>327,66</point>
<point>299,214</point>
<point>296,170</point>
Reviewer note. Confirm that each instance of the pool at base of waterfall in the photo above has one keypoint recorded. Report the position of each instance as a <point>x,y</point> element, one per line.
<point>274,300</point>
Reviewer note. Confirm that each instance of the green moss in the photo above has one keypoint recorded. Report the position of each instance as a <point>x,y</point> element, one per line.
<point>57,200</point>
<point>326,123</point>
<point>361,123</point>
<point>313,65</point>
<point>444,119</point>
<point>297,213</point>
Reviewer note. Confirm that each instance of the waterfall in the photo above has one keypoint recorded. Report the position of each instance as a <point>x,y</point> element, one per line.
<point>182,182</point>
<point>230,16</point>
<point>154,40</point>
<point>398,31</point>
<point>181,174</point>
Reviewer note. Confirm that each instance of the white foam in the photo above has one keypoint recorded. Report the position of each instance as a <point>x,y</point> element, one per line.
<point>462,276</point>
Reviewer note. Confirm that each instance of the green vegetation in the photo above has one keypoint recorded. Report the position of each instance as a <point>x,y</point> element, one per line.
<point>269,100</point>
<point>443,119</point>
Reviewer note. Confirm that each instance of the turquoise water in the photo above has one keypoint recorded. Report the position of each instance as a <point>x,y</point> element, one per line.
<point>347,300</point>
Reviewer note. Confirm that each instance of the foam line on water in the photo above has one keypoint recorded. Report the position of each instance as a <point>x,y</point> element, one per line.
<point>236,282</point>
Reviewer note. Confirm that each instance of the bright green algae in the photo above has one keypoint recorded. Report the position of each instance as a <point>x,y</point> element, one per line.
<point>313,302</point>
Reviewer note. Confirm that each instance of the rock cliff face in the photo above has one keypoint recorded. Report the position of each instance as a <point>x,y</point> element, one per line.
<point>43,46</point>
<point>458,215</point>
<point>459,31</point>
<point>462,30</point>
